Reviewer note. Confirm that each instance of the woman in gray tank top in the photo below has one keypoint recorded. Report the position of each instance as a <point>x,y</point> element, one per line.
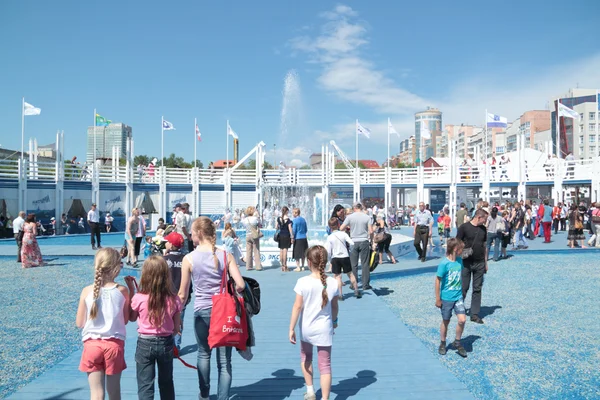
<point>204,266</point>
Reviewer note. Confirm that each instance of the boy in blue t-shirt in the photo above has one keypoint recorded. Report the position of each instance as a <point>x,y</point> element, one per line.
<point>448,294</point>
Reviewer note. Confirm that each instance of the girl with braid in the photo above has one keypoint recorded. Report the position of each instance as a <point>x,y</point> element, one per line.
<point>316,306</point>
<point>204,267</point>
<point>102,314</point>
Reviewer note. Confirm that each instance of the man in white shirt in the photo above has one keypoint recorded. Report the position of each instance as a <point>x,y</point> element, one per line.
<point>188,224</point>
<point>93,219</point>
<point>181,224</point>
<point>18,231</point>
<point>360,230</point>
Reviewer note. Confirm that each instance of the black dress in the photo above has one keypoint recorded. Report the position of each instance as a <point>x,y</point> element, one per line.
<point>285,240</point>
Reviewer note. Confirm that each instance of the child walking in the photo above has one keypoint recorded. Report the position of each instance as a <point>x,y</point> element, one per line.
<point>337,249</point>
<point>102,314</point>
<point>316,306</point>
<point>448,294</point>
<point>157,307</point>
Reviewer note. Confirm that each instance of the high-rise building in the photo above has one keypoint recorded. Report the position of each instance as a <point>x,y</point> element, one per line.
<point>115,134</point>
<point>432,117</point>
<point>579,137</point>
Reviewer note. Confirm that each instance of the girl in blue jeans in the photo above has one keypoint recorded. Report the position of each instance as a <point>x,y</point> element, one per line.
<point>204,266</point>
<point>157,309</point>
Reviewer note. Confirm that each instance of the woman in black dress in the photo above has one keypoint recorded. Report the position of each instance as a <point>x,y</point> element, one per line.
<point>284,225</point>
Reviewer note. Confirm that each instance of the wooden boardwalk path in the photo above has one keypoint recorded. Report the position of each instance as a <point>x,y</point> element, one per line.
<point>375,356</point>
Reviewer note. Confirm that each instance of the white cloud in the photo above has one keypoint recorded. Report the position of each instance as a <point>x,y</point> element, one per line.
<point>296,156</point>
<point>346,72</point>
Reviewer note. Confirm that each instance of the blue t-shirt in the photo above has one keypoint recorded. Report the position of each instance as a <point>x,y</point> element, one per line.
<point>449,272</point>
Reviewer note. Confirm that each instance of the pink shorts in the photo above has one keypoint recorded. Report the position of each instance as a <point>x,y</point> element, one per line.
<point>106,355</point>
<point>323,354</point>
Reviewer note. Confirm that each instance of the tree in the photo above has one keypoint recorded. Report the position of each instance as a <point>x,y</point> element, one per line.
<point>306,166</point>
<point>341,165</point>
<point>251,164</point>
<point>142,159</point>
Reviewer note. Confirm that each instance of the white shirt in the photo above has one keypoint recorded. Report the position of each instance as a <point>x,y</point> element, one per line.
<point>141,227</point>
<point>110,322</point>
<point>108,219</point>
<point>93,216</point>
<point>316,324</point>
<point>18,224</point>
<point>336,244</point>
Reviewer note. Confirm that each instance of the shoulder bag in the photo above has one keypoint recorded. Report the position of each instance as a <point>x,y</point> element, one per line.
<point>468,251</point>
<point>228,320</point>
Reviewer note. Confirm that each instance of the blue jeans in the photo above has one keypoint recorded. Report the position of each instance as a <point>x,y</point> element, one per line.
<point>177,338</point>
<point>201,327</point>
<point>493,237</point>
<point>150,351</point>
<point>519,237</point>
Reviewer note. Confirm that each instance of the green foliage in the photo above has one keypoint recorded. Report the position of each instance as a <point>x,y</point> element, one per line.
<point>306,167</point>
<point>341,165</point>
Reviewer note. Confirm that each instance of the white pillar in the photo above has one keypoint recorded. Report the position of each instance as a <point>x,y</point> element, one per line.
<point>420,185</point>
<point>162,188</point>
<point>59,184</point>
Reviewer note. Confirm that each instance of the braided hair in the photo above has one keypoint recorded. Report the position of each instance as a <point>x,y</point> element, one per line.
<point>107,263</point>
<point>317,255</point>
<point>204,229</point>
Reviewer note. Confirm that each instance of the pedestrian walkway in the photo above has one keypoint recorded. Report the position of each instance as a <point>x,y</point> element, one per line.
<point>374,356</point>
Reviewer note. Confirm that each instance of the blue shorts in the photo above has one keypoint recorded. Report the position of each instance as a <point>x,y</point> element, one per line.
<point>447,306</point>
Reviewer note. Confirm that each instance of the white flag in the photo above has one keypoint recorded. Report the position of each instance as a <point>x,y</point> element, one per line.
<point>361,130</point>
<point>231,132</point>
<point>564,111</point>
<point>425,132</point>
<point>28,109</point>
<point>391,129</point>
<point>496,121</point>
<point>167,126</point>
<point>198,134</point>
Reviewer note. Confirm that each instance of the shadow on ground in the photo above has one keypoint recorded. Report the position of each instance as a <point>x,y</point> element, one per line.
<point>281,386</point>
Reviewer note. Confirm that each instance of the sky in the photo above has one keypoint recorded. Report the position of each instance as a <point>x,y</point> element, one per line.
<point>137,61</point>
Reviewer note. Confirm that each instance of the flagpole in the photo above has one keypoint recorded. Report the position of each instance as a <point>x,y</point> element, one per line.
<point>195,140</point>
<point>356,130</point>
<point>557,130</point>
<point>388,131</point>
<point>485,135</point>
<point>22,127</point>
<point>227,140</point>
<point>162,141</point>
<point>94,125</point>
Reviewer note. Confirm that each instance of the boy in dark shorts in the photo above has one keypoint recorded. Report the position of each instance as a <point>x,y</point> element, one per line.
<point>174,258</point>
<point>448,294</point>
<point>337,246</point>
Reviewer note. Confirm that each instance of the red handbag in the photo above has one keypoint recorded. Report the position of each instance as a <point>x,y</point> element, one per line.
<point>228,324</point>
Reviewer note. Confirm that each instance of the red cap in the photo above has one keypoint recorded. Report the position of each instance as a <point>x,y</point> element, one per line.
<point>175,239</point>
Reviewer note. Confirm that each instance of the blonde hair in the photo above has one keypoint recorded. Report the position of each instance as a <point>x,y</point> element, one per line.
<point>205,230</point>
<point>157,284</point>
<point>250,211</point>
<point>133,210</point>
<point>317,256</point>
<point>107,264</point>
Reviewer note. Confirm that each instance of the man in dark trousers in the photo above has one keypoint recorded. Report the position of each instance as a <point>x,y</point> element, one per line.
<point>474,236</point>
<point>423,221</point>
<point>93,219</point>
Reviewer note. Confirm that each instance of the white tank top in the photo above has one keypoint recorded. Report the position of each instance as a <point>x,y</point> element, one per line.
<point>109,322</point>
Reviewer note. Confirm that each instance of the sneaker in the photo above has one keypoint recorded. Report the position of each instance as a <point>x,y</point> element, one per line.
<point>368,287</point>
<point>298,269</point>
<point>476,319</point>
<point>99,246</point>
<point>442,349</point>
<point>310,396</point>
<point>358,294</point>
<point>259,268</point>
<point>459,349</point>
<point>94,248</point>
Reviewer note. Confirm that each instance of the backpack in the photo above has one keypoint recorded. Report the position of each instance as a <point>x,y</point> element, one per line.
<point>596,216</point>
<point>500,225</point>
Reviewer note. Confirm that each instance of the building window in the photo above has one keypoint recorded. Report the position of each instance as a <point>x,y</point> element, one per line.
<point>592,138</point>
<point>580,139</point>
<point>592,151</point>
<point>592,127</point>
<point>580,150</point>
<point>581,117</point>
<point>592,116</point>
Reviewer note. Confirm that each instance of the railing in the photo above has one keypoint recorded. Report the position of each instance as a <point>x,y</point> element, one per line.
<point>436,174</point>
<point>215,176</point>
<point>241,176</point>
<point>405,175</point>
<point>309,177</point>
<point>542,171</point>
<point>9,169</point>
<point>342,176</point>
<point>372,176</point>
<point>108,174</point>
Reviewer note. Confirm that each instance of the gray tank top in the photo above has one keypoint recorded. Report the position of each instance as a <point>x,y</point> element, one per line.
<point>207,280</point>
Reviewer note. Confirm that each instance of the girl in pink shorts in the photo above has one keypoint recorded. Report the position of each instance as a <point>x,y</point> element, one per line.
<point>316,306</point>
<point>102,314</point>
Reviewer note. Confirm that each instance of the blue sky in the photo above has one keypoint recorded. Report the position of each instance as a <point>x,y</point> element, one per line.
<point>135,61</point>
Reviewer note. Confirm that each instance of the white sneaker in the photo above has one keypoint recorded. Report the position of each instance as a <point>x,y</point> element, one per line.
<point>311,396</point>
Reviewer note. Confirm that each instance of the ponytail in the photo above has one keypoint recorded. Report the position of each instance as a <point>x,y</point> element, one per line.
<point>317,255</point>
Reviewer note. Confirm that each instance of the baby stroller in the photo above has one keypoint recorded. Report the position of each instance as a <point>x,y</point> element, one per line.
<point>157,246</point>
